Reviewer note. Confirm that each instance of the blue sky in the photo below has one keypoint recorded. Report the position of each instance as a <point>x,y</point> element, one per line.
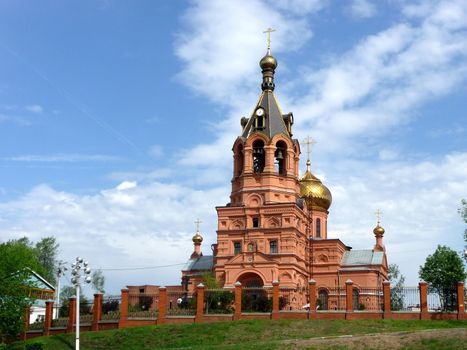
<point>117,120</point>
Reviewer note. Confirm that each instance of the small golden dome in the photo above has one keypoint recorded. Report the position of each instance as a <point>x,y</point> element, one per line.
<point>268,62</point>
<point>312,190</point>
<point>378,231</point>
<point>197,238</point>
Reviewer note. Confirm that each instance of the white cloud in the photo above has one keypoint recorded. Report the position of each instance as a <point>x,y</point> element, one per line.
<point>362,9</point>
<point>34,108</point>
<point>127,226</point>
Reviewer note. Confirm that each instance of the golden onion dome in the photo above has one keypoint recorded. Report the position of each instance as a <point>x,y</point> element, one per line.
<point>312,190</point>
<point>268,62</point>
<point>197,238</point>
<point>378,231</point>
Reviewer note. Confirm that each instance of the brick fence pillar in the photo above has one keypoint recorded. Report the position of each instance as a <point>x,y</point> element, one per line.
<point>387,299</point>
<point>199,303</point>
<point>26,320</point>
<point>424,315</point>
<point>238,301</point>
<point>162,311</point>
<point>460,302</point>
<point>49,309</point>
<point>122,322</point>
<point>71,315</point>
<point>348,296</point>
<point>96,311</point>
<point>275,300</point>
<point>312,293</point>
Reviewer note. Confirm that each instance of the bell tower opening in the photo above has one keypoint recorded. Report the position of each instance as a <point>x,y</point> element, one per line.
<point>238,158</point>
<point>258,156</point>
<point>280,157</point>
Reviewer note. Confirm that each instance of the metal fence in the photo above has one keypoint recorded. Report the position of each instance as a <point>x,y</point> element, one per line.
<point>442,299</point>
<point>58,322</point>
<point>256,299</point>
<point>143,305</point>
<point>331,299</point>
<point>86,309</point>
<point>293,299</point>
<point>367,299</point>
<point>405,298</point>
<point>111,307</point>
<point>181,303</point>
<point>219,301</point>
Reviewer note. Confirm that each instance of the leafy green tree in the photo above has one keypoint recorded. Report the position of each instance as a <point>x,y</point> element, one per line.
<point>443,270</point>
<point>46,250</point>
<point>16,258</point>
<point>98,281</point>
<point>397,281</point>
<point>65,295</point>
<point>463,213</point>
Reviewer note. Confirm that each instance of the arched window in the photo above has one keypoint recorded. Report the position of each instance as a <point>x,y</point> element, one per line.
<point>238,161</point>
<point>318,227</point>
<point>280,157</point>
<point>323,299</point>
<point>258,156</point>
<point>355,299</point>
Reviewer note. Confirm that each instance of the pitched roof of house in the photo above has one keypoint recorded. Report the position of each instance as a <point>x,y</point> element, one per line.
<point>362,257</point>
<point>203,263</point>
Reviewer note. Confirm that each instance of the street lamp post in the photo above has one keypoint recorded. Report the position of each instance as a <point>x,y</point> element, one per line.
<point>61,269</point>
<point>76,280</point>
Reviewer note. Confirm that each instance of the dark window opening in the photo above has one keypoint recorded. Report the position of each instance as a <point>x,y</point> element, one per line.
<point>258,156</point>
<point>255,222</point>
<point>273,248</point>
<point>280,157</point>
<point>239,161</point>
<point>318,228</point>
<point>141,290</point>
<point>322,300</point>
<point>259,122</point>
<point>356,299</point>
<point>237,248</point>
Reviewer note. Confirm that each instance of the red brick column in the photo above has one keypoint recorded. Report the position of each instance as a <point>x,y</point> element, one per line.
<point>460,302</point>
<point>162,312</point>
<point>424,315</point>
<point>71,314</point>
<point>275,300</point>
<point>312,293</point>
<point>199,303</point>
<point>348,295</point>
<point>122,322</point>
<point>97,311</point>
<point>238,301</point>
<point>387,299</point>
<point>26,320</point>
<point>49,309</point>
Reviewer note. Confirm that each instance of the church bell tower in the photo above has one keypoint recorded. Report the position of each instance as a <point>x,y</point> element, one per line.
<point>261,234</point>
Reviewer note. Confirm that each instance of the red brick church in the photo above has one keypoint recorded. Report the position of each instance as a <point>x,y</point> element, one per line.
<point>275,226</point>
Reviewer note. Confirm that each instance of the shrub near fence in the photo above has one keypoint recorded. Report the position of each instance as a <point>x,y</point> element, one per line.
<point>111,307</point>
<point>256,299</point>
<point>181,303</point>
<point>218,301</point>
<point>141,305</point>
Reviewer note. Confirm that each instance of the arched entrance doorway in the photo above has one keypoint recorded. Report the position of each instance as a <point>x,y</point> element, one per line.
<point>254,297</point>
<point>251,280</point>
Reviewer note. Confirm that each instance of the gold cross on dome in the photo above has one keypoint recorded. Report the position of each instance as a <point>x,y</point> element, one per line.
<point>269,31</point>
<point>378,215</point>
<point>197,222</point>
<point>309,142</point>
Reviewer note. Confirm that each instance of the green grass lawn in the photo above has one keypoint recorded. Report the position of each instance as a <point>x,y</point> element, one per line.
<point>256,334</point>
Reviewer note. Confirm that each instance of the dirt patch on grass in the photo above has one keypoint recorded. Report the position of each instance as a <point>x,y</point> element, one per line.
<point>427,339</point>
